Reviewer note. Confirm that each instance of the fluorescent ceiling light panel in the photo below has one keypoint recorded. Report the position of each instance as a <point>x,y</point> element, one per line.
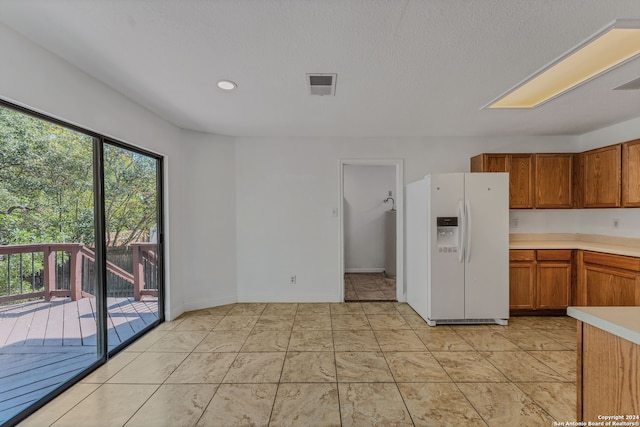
<point>614,45</point>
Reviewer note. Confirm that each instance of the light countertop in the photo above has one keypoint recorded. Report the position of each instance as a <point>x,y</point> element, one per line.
<point>623,322</point>
<point>589,242</point>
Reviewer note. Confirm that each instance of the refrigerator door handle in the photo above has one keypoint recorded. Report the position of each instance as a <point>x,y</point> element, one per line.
<point>467,249</point>
<point>461,230</point>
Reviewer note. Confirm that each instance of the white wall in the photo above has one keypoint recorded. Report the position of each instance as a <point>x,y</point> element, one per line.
<point>365,188</point>
<point>33,77</point>
<point>586,221</point>
<point>209,220</point>
<point>620,132</point>
<point>277,220</point>
<point>286,188</point>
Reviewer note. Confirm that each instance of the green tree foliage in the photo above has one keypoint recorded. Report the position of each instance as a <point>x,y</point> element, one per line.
<point>130,196</point>
<point>46,194</point>
<point>46,186</point>
<point>45,171</point>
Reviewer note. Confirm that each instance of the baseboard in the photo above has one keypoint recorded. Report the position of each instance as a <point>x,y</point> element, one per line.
<point>209,302</point>
<point>550,312</point>
<point>269,297</point>
<point>364,270</point>
<point>173,313</point>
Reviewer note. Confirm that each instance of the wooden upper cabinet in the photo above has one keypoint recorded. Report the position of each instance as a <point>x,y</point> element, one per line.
<point>578,180</point>
<point>602,177</point>
<point>520,168</point>
<point>631,174</point>
<point>554,180</point>
<point>490,163</point>
<point>521,181</point>
<point>607,177</point>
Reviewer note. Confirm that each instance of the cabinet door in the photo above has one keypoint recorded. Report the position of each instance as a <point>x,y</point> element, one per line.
<point>496,163</point>
<point>602,177</point>
<point>522,285</point>
<point>631,174</point>
<point>610,287</point>
<point>521,181</point>
<point>553,284</point>
<point>553,180</point>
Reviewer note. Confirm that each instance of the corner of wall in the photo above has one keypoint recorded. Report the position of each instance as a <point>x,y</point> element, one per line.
<point>209,212</point>
<point>609,135</point>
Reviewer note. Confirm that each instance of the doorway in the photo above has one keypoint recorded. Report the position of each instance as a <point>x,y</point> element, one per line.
<point>371,230</point>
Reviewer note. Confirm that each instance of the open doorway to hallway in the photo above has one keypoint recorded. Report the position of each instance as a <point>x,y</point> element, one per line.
<point>369,287</point>
<point>371,207</point>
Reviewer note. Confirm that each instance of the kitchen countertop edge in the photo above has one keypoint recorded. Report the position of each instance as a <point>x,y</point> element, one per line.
<point>588,242</point>
<point>623,322</point>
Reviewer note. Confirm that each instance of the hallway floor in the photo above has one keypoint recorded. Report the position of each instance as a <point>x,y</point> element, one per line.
<point>369,287</point>
<point>355,364</point>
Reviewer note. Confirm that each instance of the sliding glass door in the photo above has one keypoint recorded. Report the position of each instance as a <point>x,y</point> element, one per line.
<point>131,237</point>
<point>80,254</point>
<point>48,304</point>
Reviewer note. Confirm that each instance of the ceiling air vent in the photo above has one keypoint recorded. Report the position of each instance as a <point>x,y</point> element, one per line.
<point>632,85</point>
<point>322,84</point>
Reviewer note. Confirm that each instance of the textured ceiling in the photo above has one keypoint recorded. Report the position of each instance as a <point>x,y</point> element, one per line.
<point>405,68</point>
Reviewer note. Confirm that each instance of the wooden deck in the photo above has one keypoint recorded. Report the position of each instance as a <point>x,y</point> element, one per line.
<point>44,343</point>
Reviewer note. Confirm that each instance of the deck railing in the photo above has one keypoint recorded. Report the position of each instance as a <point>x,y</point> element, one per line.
<point>67,270</point>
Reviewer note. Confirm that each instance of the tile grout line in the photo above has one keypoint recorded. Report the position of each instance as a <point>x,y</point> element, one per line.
<point>456,382</point>
<point>100,385</point>
<point>223,377</point>
<point>395,382</point>
<point>218,386</point>
<point>335,367</point>
<point>368,311</point>
<point>515,384</point>
<point>284,360</point>
<point>509,380</point>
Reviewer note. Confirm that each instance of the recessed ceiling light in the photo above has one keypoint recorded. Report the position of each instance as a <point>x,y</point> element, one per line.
<point>227,85</point>
<point>617,43</point>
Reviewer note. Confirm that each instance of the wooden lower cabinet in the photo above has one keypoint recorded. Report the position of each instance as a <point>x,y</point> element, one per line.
<point>522,279</point>
<point>608,280</point>
<point>608,377</point>
<point>539,280</point>
<point>554,285</point>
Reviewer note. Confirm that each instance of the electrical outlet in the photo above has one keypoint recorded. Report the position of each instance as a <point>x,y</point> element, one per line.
<point>515,222</point>
<point>390,193</point>
<point>616,223</point>
<point>334,212</point>
<point>292,280</point>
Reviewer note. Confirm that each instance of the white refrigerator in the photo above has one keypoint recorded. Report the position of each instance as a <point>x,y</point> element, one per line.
<point>458,248</point>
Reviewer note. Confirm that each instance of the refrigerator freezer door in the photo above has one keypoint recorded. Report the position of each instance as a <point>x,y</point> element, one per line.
<point>446,278</point>
<point>487,266</point>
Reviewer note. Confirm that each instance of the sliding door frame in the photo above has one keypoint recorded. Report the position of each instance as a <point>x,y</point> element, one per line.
<point>103,354</point>
<point>159,208</point>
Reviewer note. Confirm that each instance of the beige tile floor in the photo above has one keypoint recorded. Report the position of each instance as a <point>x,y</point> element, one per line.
<point>355,364</point>
<point>369,287</point>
